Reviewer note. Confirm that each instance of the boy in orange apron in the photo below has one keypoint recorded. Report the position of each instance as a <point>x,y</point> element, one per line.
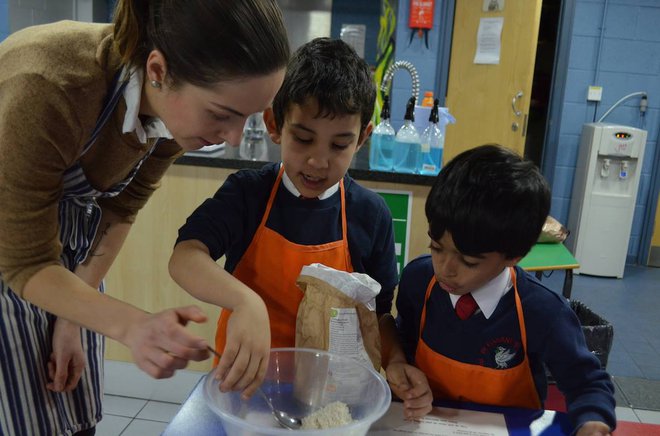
<point>474,327</point>
<point>269,223</point>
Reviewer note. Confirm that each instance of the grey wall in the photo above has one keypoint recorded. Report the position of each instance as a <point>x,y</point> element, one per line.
<point>24,13</point>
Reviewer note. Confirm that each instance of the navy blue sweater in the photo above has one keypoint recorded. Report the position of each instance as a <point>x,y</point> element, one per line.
<point>554,338</point>
<point>227,222</point>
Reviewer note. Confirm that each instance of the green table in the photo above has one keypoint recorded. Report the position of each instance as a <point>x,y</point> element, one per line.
<point>550,257</point>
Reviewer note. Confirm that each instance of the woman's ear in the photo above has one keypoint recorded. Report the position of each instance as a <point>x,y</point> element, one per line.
<point>156,67</point>
<point>269,120</point>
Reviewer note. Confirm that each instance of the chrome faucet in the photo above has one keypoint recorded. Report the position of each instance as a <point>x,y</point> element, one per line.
<point>253,143</point>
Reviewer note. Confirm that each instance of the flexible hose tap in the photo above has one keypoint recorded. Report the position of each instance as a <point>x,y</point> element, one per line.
<point>401,65</point>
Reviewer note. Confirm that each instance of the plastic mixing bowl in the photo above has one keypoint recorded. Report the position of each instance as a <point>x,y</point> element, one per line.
<point>300,381</point>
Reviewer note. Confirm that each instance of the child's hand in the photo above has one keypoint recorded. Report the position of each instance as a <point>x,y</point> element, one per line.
<point>594,428</point>
<point>245,357</point>
<point>410,385</point>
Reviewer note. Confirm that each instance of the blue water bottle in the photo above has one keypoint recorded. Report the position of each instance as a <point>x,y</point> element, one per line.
<point>433,141</point>
<point>382,141</point>
<point>407,143</point>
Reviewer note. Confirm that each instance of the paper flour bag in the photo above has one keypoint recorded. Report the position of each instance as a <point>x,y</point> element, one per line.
<point>338,313</point>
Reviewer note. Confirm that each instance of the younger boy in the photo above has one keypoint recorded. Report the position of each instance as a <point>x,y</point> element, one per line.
<point>478,327</point>
<point>271,222</point>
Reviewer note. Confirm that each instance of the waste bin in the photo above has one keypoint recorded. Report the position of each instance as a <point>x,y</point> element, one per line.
<point>598,333</point>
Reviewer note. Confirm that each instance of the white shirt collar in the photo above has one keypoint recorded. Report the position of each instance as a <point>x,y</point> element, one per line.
<point>154,127</point>
<point>489,295</point>
<point>288,184</point>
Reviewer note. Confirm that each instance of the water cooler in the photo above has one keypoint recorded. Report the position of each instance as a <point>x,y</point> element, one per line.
<point>604,193</point>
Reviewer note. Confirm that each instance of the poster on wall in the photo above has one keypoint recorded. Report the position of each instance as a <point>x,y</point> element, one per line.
<point>489,41</point>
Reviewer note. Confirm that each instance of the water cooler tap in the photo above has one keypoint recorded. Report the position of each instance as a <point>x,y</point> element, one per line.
<point>605,169</point>
<point>623,173</point>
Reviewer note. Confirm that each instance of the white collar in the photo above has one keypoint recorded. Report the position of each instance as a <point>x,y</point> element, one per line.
<point>489,295</point>
<point>288,184</point>
<point>154,127</point>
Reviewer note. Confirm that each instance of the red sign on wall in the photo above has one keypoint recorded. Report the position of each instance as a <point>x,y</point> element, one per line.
<point>421,14</point>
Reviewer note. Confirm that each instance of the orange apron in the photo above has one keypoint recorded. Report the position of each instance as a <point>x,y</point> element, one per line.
<point>453,380</point>
<point>270,267</point>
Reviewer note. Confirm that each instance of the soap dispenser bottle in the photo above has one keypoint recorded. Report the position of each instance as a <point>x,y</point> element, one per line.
<point>407,143</point>
<point>382,141</point>
<point>432,141</point>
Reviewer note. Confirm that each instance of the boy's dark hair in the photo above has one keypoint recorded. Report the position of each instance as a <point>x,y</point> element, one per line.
<point>490,200</point>
<point>330,71</point>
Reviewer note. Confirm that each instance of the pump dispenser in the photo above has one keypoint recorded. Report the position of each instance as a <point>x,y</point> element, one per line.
<point>382,141</point>
<point>432,141</point>
<point>407,143</point>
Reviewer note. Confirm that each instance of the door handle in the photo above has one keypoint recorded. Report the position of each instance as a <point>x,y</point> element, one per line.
<point>517,97</point>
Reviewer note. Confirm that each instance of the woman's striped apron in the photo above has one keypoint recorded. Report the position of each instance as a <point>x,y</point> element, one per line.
<point>26,406</point>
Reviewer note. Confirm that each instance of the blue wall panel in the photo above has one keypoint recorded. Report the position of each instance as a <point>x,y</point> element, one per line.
<point>647,24</point>
<point>588,19</point>
<point>424,59</point>
<point>559,206</point>
<point>4,19</point>
<point>621,21</point>
<point>568,149</point>
<point>630,56</point>
<point>577,82</point>
<point>584,50</point>
<point>573,117</point>
<point>636,2</point>
<point>651,150</point>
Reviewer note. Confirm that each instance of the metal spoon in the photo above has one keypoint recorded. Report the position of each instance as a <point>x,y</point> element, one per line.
<point>283,418</point>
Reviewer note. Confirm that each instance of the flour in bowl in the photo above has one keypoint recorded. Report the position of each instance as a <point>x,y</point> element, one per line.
<point>333,415</point>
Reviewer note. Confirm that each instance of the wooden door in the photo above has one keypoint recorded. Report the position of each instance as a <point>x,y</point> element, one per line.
<point>482,97</point>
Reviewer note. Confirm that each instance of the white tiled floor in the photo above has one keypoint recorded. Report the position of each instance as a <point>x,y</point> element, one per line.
<point>132,416</point>
<point>112,425</point>
<point>135,404</point>
<point>141,427</point>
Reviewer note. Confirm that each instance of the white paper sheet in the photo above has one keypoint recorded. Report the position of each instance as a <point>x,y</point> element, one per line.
<point>489,41</point>
<point>441,421</point>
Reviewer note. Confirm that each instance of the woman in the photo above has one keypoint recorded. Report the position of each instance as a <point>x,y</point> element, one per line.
<point>91,115</point>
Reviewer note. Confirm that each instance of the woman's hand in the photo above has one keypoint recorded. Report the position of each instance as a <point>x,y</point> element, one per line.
<point>410,385</point>
<point>245,357</point>
<point>160,344</point>
<point>67,360</point>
